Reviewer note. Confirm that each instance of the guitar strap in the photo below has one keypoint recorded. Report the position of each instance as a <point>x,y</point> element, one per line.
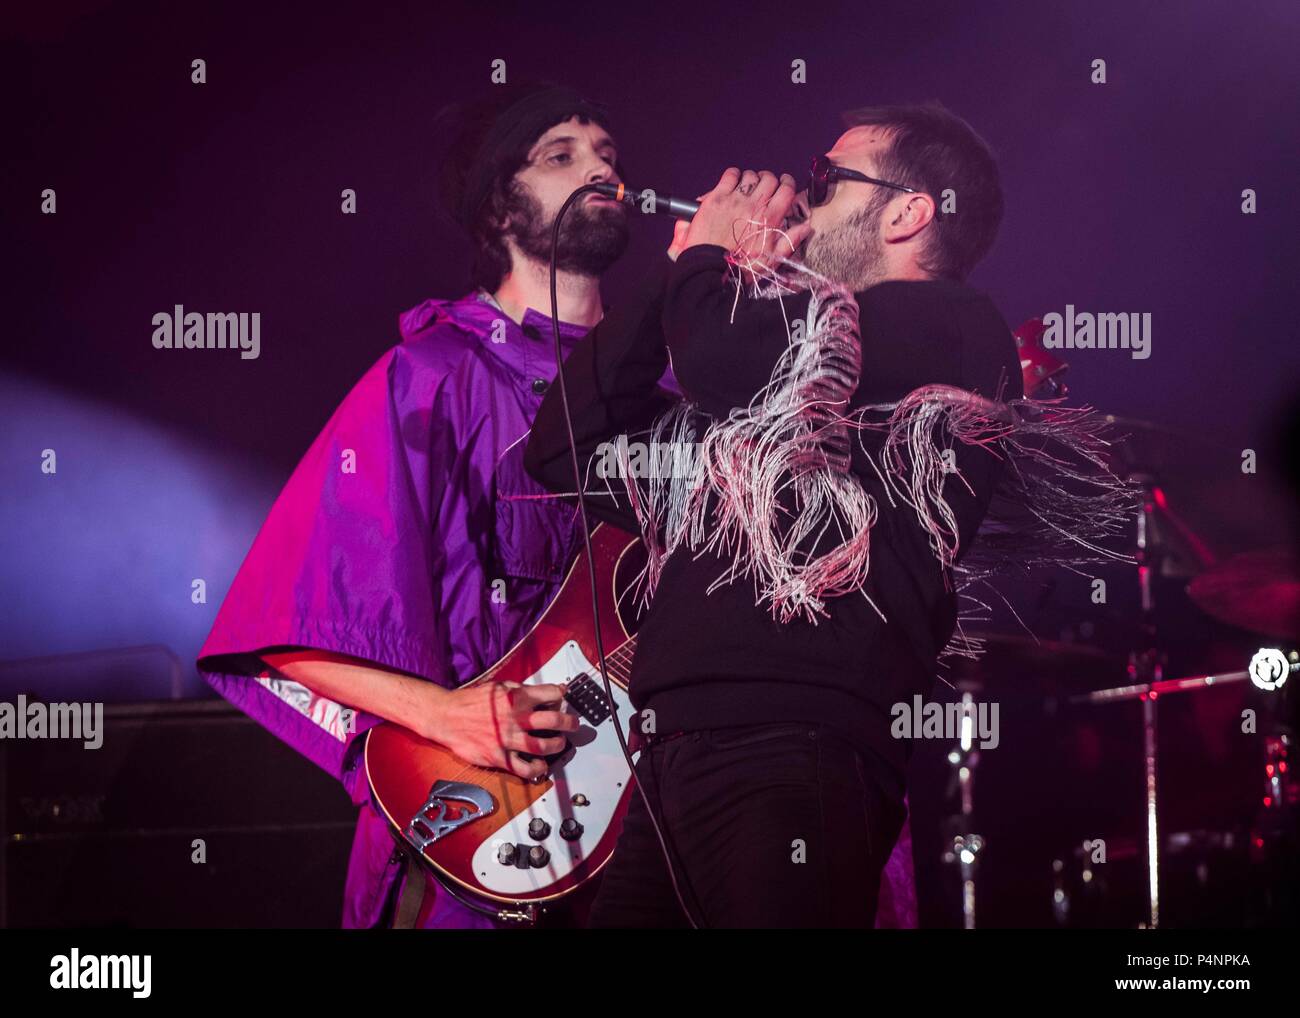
<point>412,894</point>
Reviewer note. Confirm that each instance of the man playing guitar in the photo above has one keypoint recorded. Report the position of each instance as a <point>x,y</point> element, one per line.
<point>409,549</point>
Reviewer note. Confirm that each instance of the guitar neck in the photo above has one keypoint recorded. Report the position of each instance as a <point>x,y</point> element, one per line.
<point>619,661</point>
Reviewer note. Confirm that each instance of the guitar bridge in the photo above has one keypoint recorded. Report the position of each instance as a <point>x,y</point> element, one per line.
<point>446,810</point>
<point>588,699</point>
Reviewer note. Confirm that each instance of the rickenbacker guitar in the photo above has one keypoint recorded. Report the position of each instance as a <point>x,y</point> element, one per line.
<point>493,835</point>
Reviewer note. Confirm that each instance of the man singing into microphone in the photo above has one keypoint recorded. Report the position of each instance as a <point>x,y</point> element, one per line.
<point>771,654</point>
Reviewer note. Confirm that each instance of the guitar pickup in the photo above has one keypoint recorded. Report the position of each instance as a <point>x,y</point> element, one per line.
<point>588,699</point>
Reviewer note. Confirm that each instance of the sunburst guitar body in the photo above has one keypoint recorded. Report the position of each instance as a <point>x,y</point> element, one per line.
<point>511,844</point>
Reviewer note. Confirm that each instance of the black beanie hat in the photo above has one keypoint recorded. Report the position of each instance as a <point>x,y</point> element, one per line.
<point>489,140</point>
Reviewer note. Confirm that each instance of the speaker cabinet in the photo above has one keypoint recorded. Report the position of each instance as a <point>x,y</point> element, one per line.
<point>107,837</point>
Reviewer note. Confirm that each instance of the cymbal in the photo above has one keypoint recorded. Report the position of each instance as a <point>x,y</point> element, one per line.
<point>1016,665</point>
<point>1256,590</point>
<point>1146,447</point>
<point>1206,507</point>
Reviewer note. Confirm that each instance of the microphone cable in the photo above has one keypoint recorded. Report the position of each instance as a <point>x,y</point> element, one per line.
<point>580,488</point>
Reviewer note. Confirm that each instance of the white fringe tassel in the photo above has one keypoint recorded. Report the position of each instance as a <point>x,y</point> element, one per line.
<point>1056,499</point>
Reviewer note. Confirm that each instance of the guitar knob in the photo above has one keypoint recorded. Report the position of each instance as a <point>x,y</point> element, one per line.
<point>538,856</point>
<point>538,829</point>
<point>507,854</point>
<point>570,829</point>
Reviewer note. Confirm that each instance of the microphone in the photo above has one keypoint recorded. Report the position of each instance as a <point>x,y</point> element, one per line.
<point>649,200</point>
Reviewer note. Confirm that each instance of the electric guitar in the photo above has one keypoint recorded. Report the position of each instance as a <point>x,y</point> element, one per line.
<point>498,837</point>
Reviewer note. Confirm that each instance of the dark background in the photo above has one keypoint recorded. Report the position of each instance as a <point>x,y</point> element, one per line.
<point>1121,197</point>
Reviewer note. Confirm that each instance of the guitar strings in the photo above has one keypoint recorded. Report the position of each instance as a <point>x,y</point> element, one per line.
<point>619,663</point>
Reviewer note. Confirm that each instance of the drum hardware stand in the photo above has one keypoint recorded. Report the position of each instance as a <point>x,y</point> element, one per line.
<point>1273,835</point>
<point>966,845</point>
<point>1147,667</point>
<point>1280,789</point>
<point>1146,670</point>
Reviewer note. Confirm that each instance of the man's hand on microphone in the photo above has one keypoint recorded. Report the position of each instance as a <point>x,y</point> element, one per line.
<point>744,214</point>
<point>680,228</point>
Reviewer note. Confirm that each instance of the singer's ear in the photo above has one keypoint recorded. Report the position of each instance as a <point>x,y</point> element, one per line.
<point>494,215</point>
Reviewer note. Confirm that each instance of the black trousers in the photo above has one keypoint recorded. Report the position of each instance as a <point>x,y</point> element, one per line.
<point>769,826</point>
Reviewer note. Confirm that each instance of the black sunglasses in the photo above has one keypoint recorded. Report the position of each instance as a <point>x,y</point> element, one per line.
<point>825,173</point>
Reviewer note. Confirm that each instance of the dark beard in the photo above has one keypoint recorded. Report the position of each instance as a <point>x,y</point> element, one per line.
<point>592,238</point>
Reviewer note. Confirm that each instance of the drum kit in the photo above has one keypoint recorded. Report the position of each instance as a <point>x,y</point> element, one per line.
<point>1106,762</point>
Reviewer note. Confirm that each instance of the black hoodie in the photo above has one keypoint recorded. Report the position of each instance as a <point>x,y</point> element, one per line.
<point>716,660</point>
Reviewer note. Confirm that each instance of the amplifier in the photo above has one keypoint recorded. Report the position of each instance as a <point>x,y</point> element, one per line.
<point>111,837</point>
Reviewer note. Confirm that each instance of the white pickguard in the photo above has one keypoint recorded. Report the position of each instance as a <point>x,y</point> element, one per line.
<point>594,767</point>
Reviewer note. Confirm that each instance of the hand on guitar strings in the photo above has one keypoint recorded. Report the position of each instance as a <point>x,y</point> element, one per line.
<point>505,725</point>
